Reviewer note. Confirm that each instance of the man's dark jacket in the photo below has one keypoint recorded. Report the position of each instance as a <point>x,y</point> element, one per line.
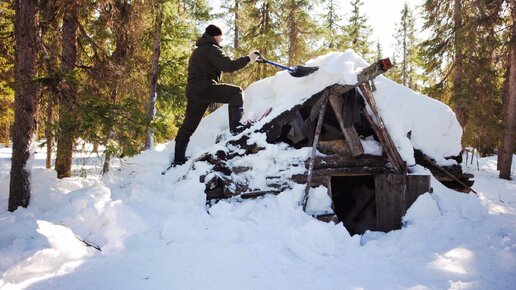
<point>207,63</point>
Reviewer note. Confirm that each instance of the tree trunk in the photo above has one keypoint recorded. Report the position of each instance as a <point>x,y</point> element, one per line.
<point>48,25</point>
<point>293,33</point>
<point>404,22</point>
<point>118,58</point>
<point>149,140</point>
<point>236,40</point>
<point>48,130</point>
<point>68,96</point>
<point>95,146</point>
<point>25,91</point>
<point>52,94</point>
<point>7,135</point>
<point>510,121</point>
<point>458,93</point>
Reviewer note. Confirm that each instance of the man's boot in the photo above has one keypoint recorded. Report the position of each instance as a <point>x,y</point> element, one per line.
<point>235,115</point>
<point>179,153</point>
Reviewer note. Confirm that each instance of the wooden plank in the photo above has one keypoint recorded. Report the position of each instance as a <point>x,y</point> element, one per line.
<point>350,134</point>
<point>337,161</point>
<point>347,171</point>
<point>381,131</point>
<point>322,110</point>
<point>390,201</point>
<point>255,194</point>
<point>395,193</point>
<point>416,185</point>
<point>448,174</point>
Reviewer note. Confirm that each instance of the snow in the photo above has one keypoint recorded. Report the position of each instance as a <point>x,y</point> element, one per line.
<point>155,231</point>
<point>432,125</point>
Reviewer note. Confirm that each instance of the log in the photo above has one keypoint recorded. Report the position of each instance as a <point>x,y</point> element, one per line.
<point>336,161</point>
<point>332,147</point>
<point>350,134</point>
<point>255,194</point>
<point>444,171</point>
<point>347,171</point>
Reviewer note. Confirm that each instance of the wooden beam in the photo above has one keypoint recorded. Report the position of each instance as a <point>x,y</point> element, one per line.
<point>322,110</point>
<point>381,131</point>
<point>350,134</point>
<point>367,74</point>
<point>336,161</point>
<point>345,171</point>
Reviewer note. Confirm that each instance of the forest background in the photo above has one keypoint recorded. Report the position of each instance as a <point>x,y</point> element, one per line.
<point>113,72</point>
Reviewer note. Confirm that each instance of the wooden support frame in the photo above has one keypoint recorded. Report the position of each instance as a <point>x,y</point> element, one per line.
<point>350,134</point>
<point>318,128</point>
<point>381,131</point>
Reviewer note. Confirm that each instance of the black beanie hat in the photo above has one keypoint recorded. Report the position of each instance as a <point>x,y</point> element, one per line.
<point>213,30</point>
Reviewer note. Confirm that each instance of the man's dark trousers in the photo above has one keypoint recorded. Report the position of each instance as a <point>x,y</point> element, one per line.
<point>197,104</point>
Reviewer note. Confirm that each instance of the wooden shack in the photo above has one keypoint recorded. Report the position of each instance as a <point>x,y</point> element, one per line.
<point>368,192</point>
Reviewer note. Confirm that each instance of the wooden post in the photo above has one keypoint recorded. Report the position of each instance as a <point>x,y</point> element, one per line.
<point>318,128</point>
<point>381,131</point>
<point>350,134</point>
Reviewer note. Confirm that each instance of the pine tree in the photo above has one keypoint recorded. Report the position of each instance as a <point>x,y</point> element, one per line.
<point>331,24</point>
<point>357,31</point>
<point>26,90</point>
<point>179,34</point>
<point>406,50</point>
<point>463,55</point>
<point>299,28</point>
<point>260,29</point>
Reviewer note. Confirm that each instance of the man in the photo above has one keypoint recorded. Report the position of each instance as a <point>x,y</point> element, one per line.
<point>205,68</point>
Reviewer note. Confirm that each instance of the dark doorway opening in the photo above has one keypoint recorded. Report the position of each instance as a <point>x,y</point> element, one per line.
<point>354,202</point>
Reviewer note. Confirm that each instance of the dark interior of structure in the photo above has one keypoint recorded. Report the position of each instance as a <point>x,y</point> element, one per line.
<point>354,202</point>
<point>298,130</point>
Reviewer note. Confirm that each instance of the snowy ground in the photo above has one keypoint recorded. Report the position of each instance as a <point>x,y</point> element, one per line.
<point>155,233</point>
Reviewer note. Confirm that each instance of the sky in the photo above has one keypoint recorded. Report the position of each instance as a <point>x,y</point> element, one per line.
<point>383,15</point>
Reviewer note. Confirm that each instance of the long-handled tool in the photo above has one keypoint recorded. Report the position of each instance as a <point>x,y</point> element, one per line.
<point>297,71</point>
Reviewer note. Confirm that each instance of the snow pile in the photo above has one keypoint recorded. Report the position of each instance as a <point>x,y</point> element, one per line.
<point>432,126</point>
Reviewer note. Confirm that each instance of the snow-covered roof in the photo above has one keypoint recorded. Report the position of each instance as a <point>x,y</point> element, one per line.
<point>433,126</point>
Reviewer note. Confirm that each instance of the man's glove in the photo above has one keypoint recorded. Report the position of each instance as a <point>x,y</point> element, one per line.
<point>254,55</point>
